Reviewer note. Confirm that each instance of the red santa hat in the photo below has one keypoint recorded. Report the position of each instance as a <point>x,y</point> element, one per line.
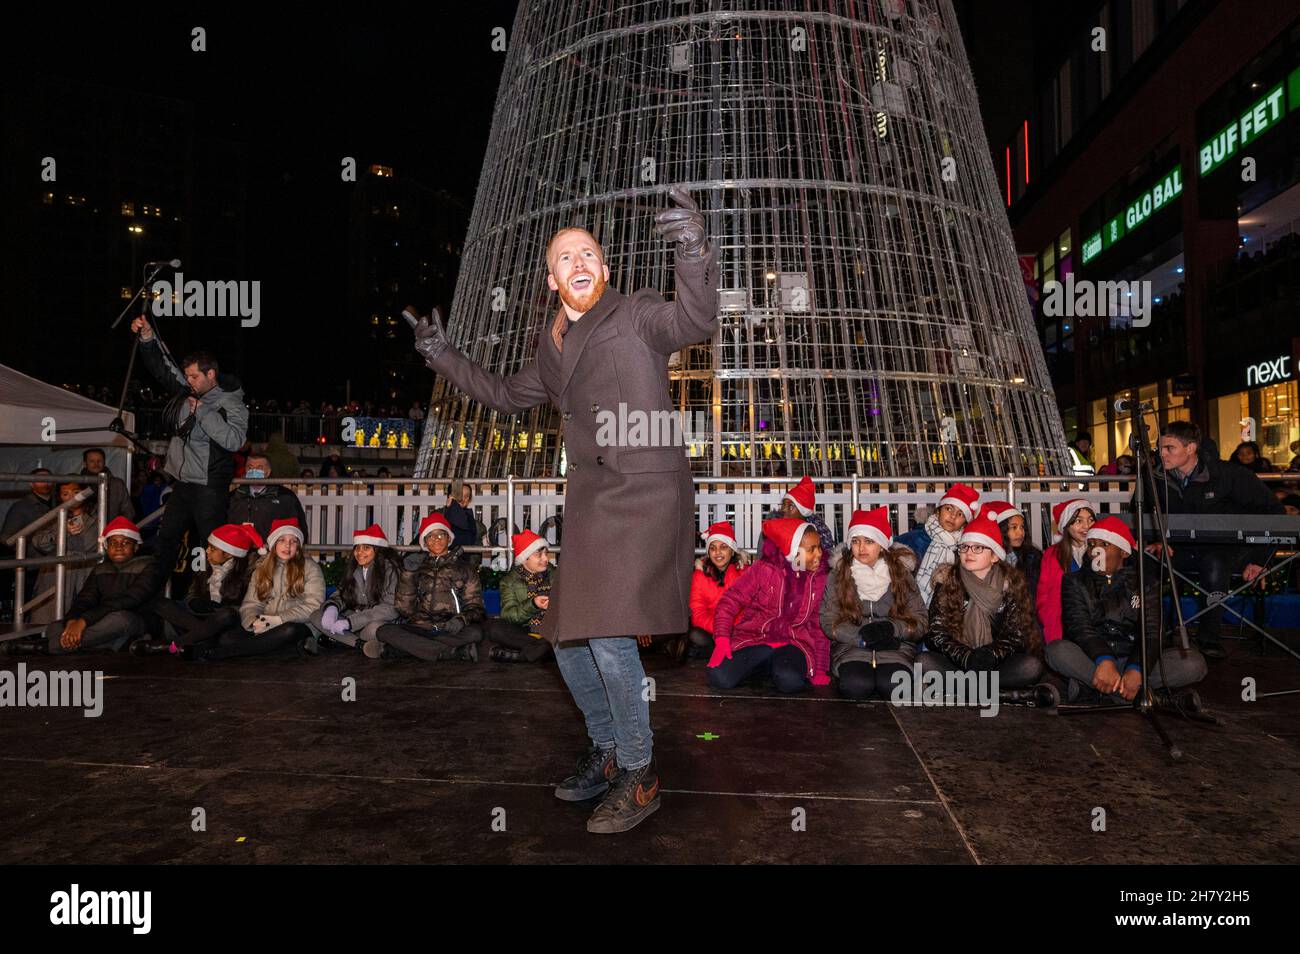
<point>999,511</point>
<point>282,528</point>
<point>984,532</point>
<point>121,527</point>
<point>786,533</point>
<point>872,524</point>
<point>722,532</point>
<point>965,499</point>
<point>1064,512</point>
<point>803,495</point>
<point>236,539</point>
<point>435,521</point>
<point>526,544</point>
<point>1113,530</point>
<point>373,535</point>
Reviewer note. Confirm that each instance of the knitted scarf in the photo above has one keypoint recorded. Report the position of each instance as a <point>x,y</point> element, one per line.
<point>985,598</point>
<point>871,581</point>
<point>538,584</point>
<point>938,553</point>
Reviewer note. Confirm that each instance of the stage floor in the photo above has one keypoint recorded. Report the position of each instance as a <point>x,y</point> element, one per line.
<point>414,770</point>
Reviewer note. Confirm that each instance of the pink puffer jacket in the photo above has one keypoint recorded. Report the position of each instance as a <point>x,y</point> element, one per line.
<point>773,605</point>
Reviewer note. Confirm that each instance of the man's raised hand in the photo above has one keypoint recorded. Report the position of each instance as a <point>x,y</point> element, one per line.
<point>140,326</point>
<point>684,224</point>
<point>430,338</point>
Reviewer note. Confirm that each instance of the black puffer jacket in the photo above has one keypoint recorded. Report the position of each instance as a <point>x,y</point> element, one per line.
<point>112,586</point>
<point>1101,614</point>
<point>432,590</point>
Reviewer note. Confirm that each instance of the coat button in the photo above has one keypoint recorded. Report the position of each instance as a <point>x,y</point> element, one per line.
<point>595,408</point>
<point>600,460</point>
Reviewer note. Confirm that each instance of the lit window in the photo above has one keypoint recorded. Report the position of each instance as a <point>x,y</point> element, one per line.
<point>126,292</point>
<point>128,209</point>
<point>48,198</point>
<point>383,171</point>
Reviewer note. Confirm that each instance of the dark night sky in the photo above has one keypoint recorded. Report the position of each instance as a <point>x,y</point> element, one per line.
<point>412,88</point>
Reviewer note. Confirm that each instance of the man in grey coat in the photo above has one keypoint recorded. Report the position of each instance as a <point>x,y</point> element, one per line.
<point>629,500</point>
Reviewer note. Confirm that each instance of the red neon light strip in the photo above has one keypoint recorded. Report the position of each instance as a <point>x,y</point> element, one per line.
<point>1026,152</point>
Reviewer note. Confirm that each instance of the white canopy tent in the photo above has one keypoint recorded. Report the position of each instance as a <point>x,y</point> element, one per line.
<point>35,424</point>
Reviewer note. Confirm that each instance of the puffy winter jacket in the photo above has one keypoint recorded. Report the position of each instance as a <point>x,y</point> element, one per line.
<point>290,609</point>
<point>433,589</point>
<point>517,604</point>
<point>1101,614</point>
<point>705,593</point>
<point>1008,637</point>
<point>845,646</point>
<point>772,603</point>
<point>114,586</point>
<point>362,612</point>
<point>1047,600</point>
<point>262,509</point>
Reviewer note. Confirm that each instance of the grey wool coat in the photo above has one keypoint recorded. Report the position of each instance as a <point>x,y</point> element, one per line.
<point>629,512</point>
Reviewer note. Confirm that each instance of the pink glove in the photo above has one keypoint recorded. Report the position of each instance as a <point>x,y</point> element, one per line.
<point>822,679</point>
<point>721,651</point>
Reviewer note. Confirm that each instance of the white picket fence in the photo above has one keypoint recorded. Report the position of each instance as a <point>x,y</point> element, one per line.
<point>336,508</point>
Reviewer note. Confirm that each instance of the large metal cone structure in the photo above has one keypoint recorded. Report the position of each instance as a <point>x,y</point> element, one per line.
<point>873,315</point>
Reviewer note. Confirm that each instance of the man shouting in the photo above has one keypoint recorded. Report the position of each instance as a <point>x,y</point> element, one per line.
<point>629,510</point>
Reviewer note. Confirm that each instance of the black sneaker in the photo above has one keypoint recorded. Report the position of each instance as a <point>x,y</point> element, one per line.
<point>504,654</point>
<point>465,653</point>
<point>633,797</point>
<point>596,770</point>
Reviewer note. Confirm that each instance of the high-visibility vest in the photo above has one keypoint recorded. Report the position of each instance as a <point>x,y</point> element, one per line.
<point>1082,466</point>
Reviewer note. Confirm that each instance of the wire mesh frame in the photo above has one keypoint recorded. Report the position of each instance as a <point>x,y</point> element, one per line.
<point>872,314</point>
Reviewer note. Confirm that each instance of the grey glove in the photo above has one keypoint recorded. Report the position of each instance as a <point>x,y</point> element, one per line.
<point>683,225</point>
<point>430,338</point>
<point>452,626</point>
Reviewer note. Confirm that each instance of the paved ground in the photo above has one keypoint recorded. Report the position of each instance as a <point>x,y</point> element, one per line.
<point>416,767</point>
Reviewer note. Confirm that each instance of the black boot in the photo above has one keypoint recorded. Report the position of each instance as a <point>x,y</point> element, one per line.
<point>24,647</point>
<point>677,647</point>
<point>1042,696</point>
<point>633,797</point>
<point>595,770</point>
<point>466,653</point>
<point>504,654</point>
<point>309,646</point>
<point>148,647</point>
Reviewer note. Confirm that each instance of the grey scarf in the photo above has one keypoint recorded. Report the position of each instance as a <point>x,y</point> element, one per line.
<point>985,598</point>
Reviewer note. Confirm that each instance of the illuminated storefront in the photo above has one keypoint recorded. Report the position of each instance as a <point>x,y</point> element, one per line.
<point>1265,409</point>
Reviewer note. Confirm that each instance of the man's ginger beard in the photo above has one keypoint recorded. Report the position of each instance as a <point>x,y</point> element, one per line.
<point>584,303</point>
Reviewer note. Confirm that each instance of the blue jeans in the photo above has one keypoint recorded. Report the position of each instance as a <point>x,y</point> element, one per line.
<point>606,679</point>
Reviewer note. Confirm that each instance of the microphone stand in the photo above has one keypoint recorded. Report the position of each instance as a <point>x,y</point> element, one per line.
<point>1147,704</point>
<point>118,425</point>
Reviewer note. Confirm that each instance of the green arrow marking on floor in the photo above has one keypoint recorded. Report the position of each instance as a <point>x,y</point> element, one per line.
<point>708,736</point>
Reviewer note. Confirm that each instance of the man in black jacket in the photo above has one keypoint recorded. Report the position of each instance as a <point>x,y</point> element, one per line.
<point>110,608</point>
<point>1191,481</point>
<point>263,504</point>
<point>1101,623</point>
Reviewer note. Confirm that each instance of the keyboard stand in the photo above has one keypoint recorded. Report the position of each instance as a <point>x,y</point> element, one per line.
<point>1209,605</point>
